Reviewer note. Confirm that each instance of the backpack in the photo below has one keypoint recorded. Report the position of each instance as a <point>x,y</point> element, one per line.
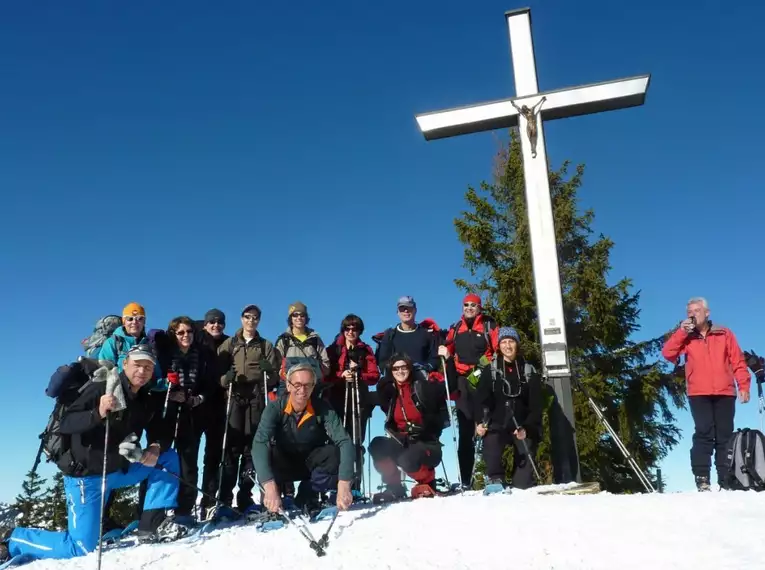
<point>488,325</point>
<point>104,329</point>
<point>746,460</point>
<point>66,385</point>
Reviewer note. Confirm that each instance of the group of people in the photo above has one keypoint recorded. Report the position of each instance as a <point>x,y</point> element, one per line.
<point>276,413</point>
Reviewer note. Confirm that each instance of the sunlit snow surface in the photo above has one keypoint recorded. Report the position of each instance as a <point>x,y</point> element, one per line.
<point>519,531</point>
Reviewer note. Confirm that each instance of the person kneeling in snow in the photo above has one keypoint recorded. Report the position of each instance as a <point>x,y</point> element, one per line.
<point>120,404</point>
<point>509,399</point>
<point>309,445</point>
<point>412,406</point>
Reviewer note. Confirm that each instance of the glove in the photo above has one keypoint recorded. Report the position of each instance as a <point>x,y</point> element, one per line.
<point>413,431</point>
<point>130,449</point>
<point>194,401</point>
<point>228,379</point>
<point>756,364</point>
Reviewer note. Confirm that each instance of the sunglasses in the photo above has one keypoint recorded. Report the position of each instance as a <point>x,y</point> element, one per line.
<point>297,386</point>
<point>297,315</point>
<point>403,309</point>
<point>251,317</point>
<point>474,305</point>
<point>399,368</point>
<point>216,322</point>
<point>184,332</point>
<point>351,328</point>
<point>136,319</point>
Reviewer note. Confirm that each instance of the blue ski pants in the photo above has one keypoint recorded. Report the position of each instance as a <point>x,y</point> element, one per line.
<point>83,501</point>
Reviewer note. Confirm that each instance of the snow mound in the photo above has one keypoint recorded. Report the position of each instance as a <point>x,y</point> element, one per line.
<point>519,531</point>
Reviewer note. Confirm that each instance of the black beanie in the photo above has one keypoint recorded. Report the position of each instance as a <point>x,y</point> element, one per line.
<point>215,314</point>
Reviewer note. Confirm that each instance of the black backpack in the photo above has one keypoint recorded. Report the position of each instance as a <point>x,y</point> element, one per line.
<point>746,460</point>
<point>66,385</point>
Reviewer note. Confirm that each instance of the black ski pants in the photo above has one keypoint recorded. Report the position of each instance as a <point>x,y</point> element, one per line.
<point>237,462</point>
<point>713,420</point>
<point>191,424</point>
<point>320,467</point>
<point>465,446</point>
<point>215,423</point>
<point>417,459</point>
<point>494,444</point>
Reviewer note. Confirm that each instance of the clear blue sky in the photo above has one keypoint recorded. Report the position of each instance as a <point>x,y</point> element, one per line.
<point>189,155</point>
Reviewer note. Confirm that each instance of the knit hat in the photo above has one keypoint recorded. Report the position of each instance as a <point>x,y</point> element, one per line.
<point>472,298</point>
<point>215,315</point>
<point>508,332</point>
<point>297,307</point>
<point>133,310</point>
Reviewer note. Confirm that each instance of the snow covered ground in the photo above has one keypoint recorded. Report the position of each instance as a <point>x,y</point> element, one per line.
<point>522,531</point>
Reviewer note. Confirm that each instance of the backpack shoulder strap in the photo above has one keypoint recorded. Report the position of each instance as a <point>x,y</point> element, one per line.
<point>119,344</point>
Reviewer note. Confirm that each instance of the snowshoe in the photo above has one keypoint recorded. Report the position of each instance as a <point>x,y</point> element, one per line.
<point>11,562</point>
<point>494,486</point>
<point>222,513</point>
<point>264,521</point>
<point>423,490</point>
<point>252,513</point>
<point>325,514</point>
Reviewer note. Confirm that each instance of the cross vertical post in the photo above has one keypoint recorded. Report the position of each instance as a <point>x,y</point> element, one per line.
<point>528,110</point>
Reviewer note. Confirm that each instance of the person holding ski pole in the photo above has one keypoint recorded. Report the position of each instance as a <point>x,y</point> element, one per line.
<point>193,366</point>
<point>472,337</point>
<point>106,460</point>
<point>511,390</point>
<point>413,420</point>
<point>242,360</point>
<point>352,370</point>
<point>714,368</point>
<point>301,438</point>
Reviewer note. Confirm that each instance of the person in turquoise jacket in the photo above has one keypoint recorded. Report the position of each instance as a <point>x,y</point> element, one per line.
<point>131,333</point>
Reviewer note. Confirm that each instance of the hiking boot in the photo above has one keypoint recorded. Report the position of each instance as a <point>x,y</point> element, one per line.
<point>172,528</point>
<point>390,494</point>
<point>702,483</point>
<point>424,490</point>
<point>308,500</point>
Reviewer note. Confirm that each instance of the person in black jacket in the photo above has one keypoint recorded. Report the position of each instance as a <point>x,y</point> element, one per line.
<point>191,369</point>
<point>85,423</point>
<point>413,420</point>
<point>408,337</point>
<point>509,407</point>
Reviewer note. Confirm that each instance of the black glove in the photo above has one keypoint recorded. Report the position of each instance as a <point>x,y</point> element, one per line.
<point>756,364</point>
<point>194,401</point>
<point>228,379</point>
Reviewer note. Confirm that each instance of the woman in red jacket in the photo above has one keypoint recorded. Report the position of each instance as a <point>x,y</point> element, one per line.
<point>352,369</point>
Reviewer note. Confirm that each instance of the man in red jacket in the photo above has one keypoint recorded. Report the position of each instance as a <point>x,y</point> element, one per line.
<point>714,364</point>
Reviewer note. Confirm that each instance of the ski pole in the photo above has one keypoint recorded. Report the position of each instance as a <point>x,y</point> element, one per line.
<point>525,446</point>
<point>225,440</point>
<point>478,445</point>
<point>324,540</point>
<point>451,421</point>
<point>182,480</point>
<point>630,460</point>
<point>302,528</point>
<point>761,400</point>
<point>359,438</point>
<point>172,380</point>
<point>103,493</point>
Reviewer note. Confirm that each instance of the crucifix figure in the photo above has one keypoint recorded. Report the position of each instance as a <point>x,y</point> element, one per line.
<point>531,122</point>
<point>506,113</point>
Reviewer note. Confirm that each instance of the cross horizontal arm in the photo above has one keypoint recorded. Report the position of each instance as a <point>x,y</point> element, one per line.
<point>560,104</point>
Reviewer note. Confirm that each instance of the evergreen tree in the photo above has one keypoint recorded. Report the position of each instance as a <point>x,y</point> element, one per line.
<point>54,504</point>
<point>123,509</point>
<point>30,501</point>
<point>627,378</point>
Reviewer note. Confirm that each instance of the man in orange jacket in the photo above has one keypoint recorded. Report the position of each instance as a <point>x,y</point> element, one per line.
<point>714,364</point>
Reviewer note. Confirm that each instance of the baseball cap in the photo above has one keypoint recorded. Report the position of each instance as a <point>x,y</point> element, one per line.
<point>406,301</point>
